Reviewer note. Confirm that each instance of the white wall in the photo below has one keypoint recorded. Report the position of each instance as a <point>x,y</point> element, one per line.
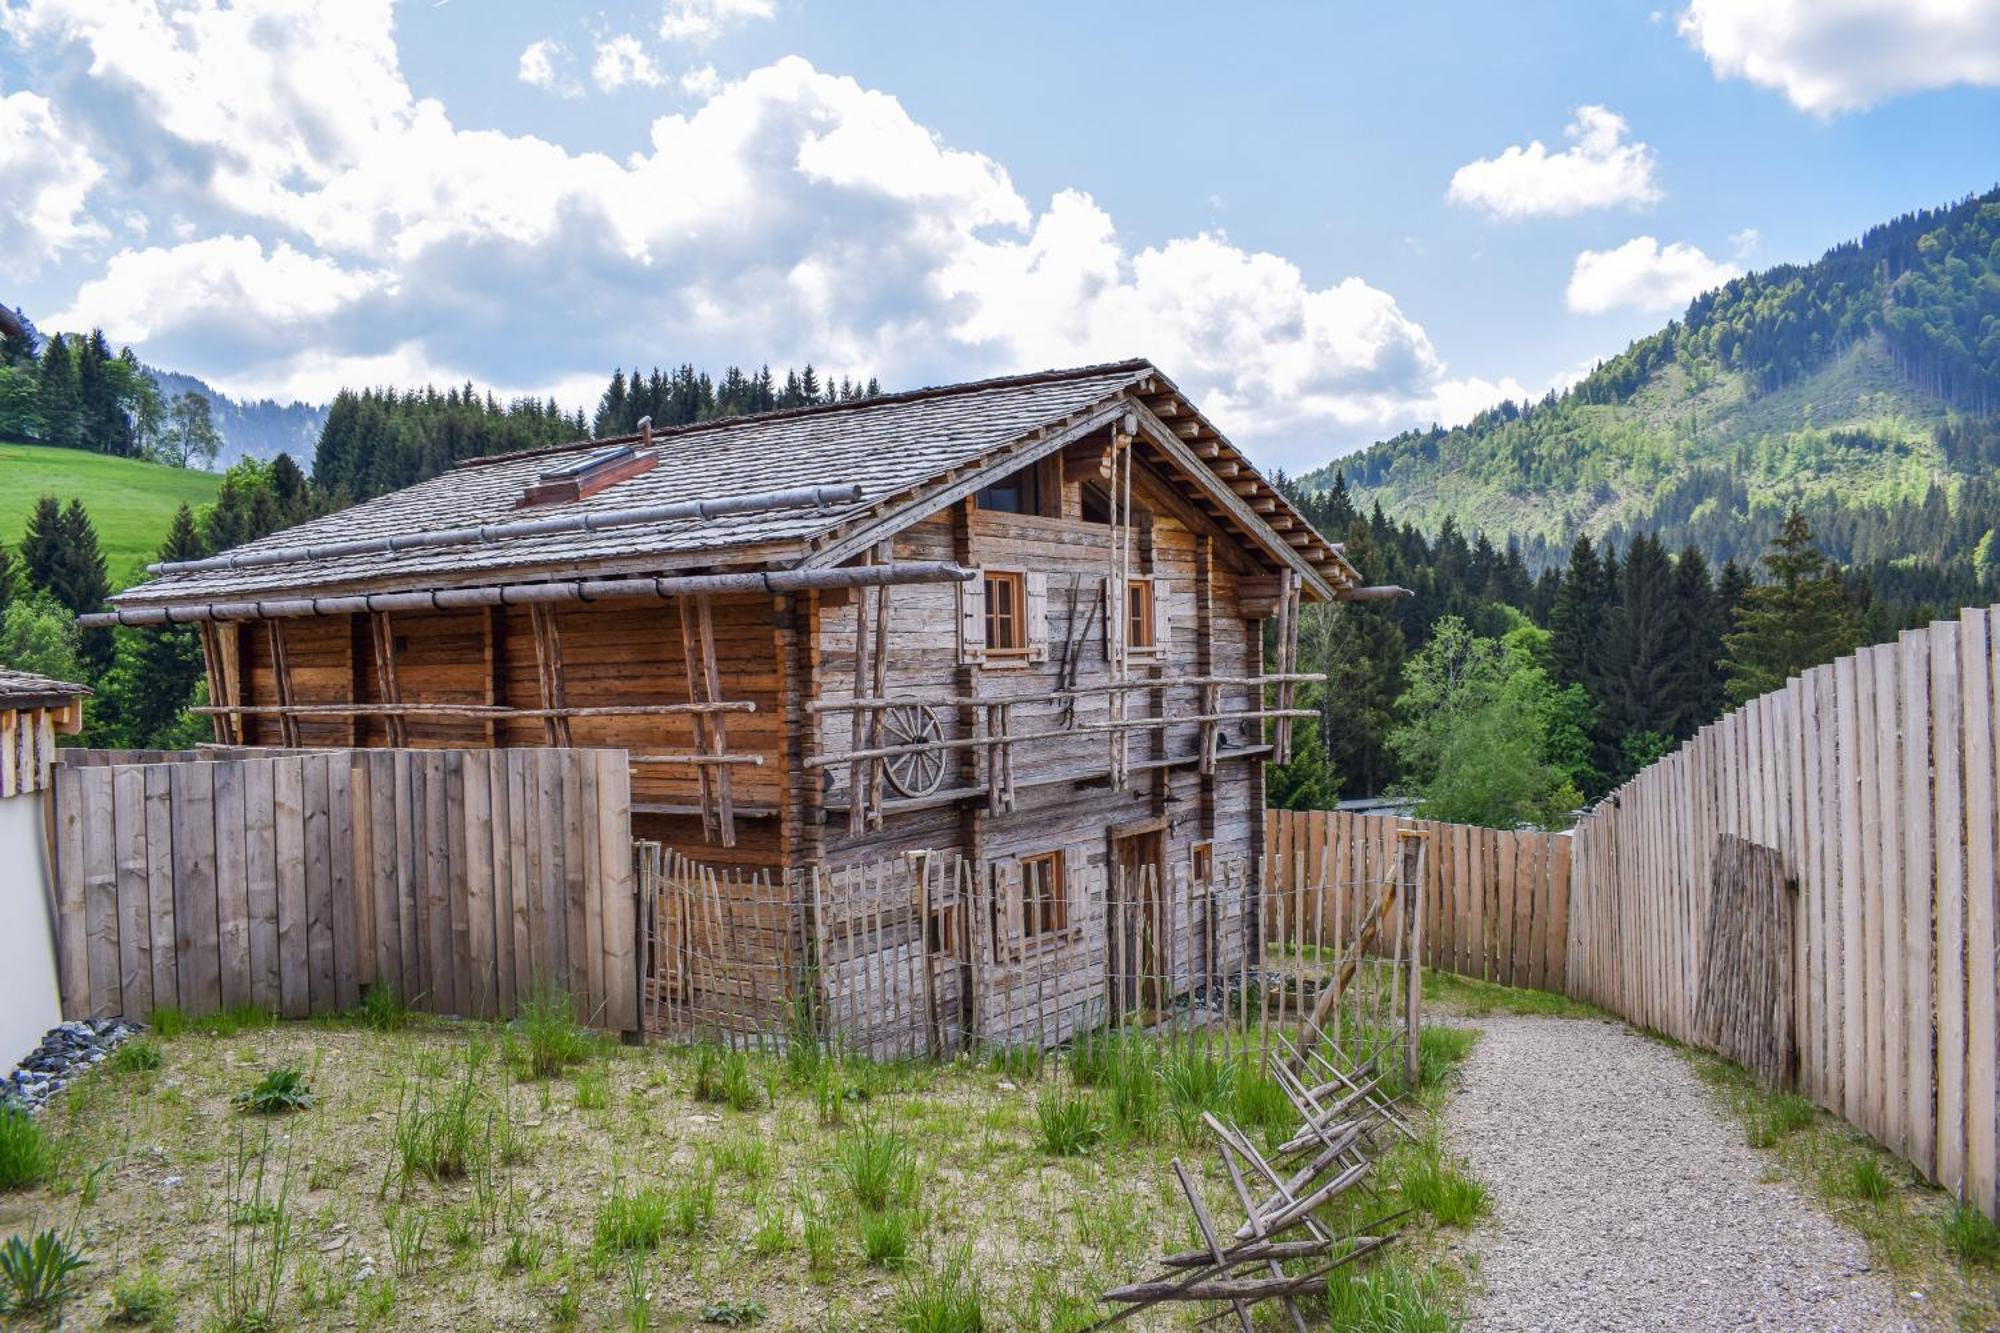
<point>29,1005</point>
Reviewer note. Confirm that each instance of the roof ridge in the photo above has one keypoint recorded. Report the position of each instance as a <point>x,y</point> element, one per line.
<point>822,409</point>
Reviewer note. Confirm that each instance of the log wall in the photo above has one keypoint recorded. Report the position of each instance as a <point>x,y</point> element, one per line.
<point>463,879</point>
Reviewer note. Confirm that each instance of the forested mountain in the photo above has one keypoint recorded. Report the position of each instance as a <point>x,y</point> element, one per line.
<point>260,428</point>
<point>1863,387</point>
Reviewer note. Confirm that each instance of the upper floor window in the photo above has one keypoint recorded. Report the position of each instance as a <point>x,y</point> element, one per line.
<point>1017,493</point>
<point>1006,620</point>
<point>1141,624</point>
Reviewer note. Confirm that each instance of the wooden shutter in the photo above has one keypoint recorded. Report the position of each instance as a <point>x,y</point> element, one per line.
<point>1035,613</point>
<point>972,620</point>
<point>1163,616</point>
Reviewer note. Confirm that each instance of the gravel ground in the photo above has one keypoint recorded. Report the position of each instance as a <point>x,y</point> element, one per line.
<point>1624,1198</point>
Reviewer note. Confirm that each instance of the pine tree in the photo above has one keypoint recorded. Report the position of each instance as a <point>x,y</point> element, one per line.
<point>1634,685</point>
<point>156,672</point>
<point>1576,618</point>
<point>1695,694</point>
<point>42,545</point>
<point>1309,781</point>
<point>1799,618</point>
<point>8,579</point>
<point>56,399</point>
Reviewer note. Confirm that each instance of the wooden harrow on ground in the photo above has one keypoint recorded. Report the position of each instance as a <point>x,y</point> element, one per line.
<point>1343,1117</point>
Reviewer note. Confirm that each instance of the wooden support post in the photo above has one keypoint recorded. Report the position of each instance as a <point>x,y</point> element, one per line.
<point>859,772</point>
<point>549,673</point>
<point>879,686</point>
<point>385,668</point>
<point>288,722</point>
<point>228,729</point>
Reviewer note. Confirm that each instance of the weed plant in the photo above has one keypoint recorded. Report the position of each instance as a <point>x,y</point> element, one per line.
<point>1070,1123</point>
<point>38,1274</point>
<point>943,1298</point>
<point>137,1055</point>
<point>877,1166</point>
<point>277,1092</point>
<point>25,1154</point>
<point>142,1300</point>
<point>243,1294</point>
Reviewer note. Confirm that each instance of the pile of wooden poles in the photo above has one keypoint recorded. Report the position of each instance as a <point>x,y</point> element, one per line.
<point>1282,1249</point>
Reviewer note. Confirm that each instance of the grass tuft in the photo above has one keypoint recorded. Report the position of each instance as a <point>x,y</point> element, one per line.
<point>877,1166</point>
<point>1070,1124</point>
<point>1433,1182</point>
<point>136,1056</point>
<point>142,1300</point>
<point>1971,1236</point>
<point>1196,1080</point>
<point>1387,1297</point>
<point>885,1237</point>
<point>943,1299</point>
<point>547,1026</point>
<point>25,1155</point>
<point>632,1221</point>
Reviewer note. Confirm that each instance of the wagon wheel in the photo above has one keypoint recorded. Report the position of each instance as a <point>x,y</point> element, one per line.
<point>921,772</point>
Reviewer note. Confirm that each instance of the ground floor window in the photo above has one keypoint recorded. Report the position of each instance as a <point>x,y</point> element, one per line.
<point>1044,905</point>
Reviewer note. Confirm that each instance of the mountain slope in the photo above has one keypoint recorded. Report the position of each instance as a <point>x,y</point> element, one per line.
<point>130,502</point>
<point>251,429</point>
<point>1864,385</point>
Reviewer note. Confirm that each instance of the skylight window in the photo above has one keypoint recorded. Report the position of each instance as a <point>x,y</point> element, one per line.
<point>588,475</point>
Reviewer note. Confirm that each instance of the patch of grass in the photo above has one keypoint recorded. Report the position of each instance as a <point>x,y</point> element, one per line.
<point>816,1228</point>
<point>1970,1236</point>
<point>131,503</point>
<point>142,1299</point>
<point>634,1220</point>
<point>1776,1116</point>
<point>1387,1297</point>
<point>1260,1102</point>
<point>382,1009</point>
<point>1196,1080</point>
<point>1448,993</point>
<point>877,1166</point>
<point>1070,1123</point>
<point>1091,1056</point>
<point>169,1022</point>
<point>375,1302</point>
<point>746,1155</point>
<point>443,1135</point>
<point>691,1204</point>
<point>277,1092</point>
<point>1860,1178</point>
<point>885,1237</point>
<point>550,1037</point>
<point>523,1252</point>
<point>1432,1181</point>
<point>409,1237</point>
<point>25,1154</point>
<point>638,1296</point>
<point>1440,1050</point>
<point>1019,1064</point>
<point>136,1055</point>
<point>243,1294</point>
<point>945,1298</point>
<point>593,1089</point>
<point>37,1275</point>
<point>772,1234</point>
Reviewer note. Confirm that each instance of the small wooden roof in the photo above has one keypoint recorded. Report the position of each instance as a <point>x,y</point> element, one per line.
<point>23,690</point>
<point>911,454</point>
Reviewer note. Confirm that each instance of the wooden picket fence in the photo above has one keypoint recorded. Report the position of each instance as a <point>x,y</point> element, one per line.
<point>1495,902</point>
<point>464,879</point>
<point>1873,779</point>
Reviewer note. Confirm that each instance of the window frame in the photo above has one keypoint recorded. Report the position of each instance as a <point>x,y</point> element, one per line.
<point>1142,609</point>
<point>1201,862</point>
<point>1017,581</point>
<point>1044,899</point>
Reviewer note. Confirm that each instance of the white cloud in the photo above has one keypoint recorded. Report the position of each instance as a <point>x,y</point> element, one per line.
<point>620,61</point>
<point>542,64</point>
<point>1644,274</point>
<point>339,245</point>
<point>49,176</point>
<point>701,82</point>
<point>699,20</point>
<point>1601,169</point>
<point>1828,56</point>
<point>1745,242</point>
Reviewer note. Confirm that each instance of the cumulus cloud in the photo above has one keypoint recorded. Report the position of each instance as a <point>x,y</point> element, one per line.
<point>387,243</point>
<point>1601,169</point>
<point>1829,56</point>
<point>542,66</point>
<point>699,20</point>
<point>1644,274</point>
<point>701,81</point>
<point>49,176</point>
<point>620,61</point>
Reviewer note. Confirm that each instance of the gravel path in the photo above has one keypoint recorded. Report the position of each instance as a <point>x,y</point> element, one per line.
<point>1624,1198</point>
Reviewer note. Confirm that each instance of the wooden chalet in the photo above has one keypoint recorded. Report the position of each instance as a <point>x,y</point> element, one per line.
<point>1020,621</point>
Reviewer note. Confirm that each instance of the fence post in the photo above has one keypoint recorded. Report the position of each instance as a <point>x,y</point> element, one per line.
<point>1411,845</point>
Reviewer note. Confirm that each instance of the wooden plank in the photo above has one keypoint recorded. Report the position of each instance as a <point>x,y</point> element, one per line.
<point>521,843</point>
<point>232,882</point>
<point>1867,787</point>
<point>1889,836</point>
<point>1919,900</point>
<point>135,938</point>
<point>614,834</point>
<point>100,890</point>
<point>198,952</point>
<point>500,804</point>
<point>1557,961</point>
<point>166,987</point>
<point>72,936</point>
<point>1854,977</point>
<point>593,885</point>
<point>386,851</point>
<point>412,881</point>
<point>288,784</point>
<point>361,810</point>
<point>315,813</point>
<point>569,907</point>
<point>343,900</point>
<point>260,882</point>
<point>1982,1089</point>
<point>458,871</point>
<point>438,949</point>
<point>1948,784</point>
<point>477,840</point>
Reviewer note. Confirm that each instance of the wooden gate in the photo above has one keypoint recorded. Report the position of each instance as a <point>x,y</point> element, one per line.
<point>1744,1008</point>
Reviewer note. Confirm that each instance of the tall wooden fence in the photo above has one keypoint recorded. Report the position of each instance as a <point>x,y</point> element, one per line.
<point>462,878</point>
<point>1873,780</point>
<point>1495,902</point>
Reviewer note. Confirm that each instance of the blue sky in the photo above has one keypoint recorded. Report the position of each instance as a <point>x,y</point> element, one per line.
<point>1329,222</point>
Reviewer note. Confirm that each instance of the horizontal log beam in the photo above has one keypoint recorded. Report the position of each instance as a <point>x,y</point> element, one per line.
<point>481,711</point>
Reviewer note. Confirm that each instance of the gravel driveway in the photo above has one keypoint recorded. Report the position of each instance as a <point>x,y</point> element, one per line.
<point>1624,1198</point>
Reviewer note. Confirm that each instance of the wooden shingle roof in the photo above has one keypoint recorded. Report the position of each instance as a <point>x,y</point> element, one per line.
<point>902,450</point>
<point>24,690</point>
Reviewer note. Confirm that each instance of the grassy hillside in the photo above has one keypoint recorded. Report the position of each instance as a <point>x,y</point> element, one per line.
<point>130,502</point>
<point>1865,385</point>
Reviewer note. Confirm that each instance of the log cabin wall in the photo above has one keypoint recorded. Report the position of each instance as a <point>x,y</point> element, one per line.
<point>612,653</point>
